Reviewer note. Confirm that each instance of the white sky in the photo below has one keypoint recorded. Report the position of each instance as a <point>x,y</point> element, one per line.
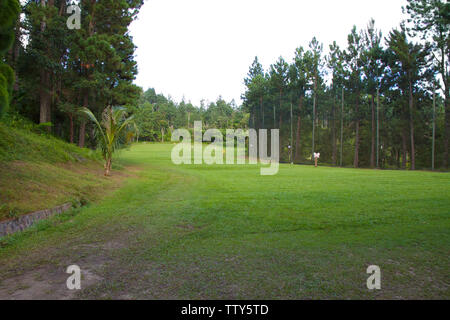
<point>200,49</point>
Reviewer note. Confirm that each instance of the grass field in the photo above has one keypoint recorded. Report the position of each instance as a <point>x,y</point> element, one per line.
<point>182,232</point>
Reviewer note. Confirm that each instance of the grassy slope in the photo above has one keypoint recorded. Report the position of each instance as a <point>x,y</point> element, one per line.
<point>39,172</point>
<point>227,232</point>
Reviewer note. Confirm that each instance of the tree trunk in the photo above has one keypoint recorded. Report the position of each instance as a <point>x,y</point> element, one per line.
<point>108,165</point>
<point>71,127</point>
<point>62,8</point>
<point>314,120</point>
<point>82,137</point>
<point>411,126</point>
<point>81,140</point>
<point>281,123</point>
<point>404,150</point>
<point>16,53</point>
<point>333,132</point>
<point>341,144</point>
<point>253,117</point>
<point>356,159</point>
<point>262,112</point>
<point>372,150</point>
<point>44,95</point>
<point>281,97</point>
<point>445,56</point>
<point>297,135</point>
<point>43,24</point>
<point>397,158</point>
<point>446,127</point>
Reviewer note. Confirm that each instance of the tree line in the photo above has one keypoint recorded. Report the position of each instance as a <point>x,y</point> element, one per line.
<point>157,116</point>
<point>382,101</point>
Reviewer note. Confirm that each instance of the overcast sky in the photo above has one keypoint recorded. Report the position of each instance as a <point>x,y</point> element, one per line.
<point>200,49</point>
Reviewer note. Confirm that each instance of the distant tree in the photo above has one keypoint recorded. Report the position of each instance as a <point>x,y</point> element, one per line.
<point>258,90</point>
<point>353,56</point>
<point>278,82</point>
<point>335,62</point>
<point>373,71</point>
<point>253,98</point>
<point>430,19</point>
<point>314,65</point>
<point>409,60</point>
<point>298,86</point>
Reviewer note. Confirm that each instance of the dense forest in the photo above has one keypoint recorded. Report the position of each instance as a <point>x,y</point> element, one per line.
<point>58,70</point>
<point>157,116</point>
<point>382,101</point>
<point>376,103</point>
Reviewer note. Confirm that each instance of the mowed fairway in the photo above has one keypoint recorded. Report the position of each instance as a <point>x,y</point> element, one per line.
<point>226,232</point>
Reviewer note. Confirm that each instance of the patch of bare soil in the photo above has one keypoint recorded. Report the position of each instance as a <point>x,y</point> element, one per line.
<point>41,275</point>
<point>46,283</point>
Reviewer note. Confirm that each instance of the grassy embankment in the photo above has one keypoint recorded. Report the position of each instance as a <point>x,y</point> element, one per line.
<point>38,171</point>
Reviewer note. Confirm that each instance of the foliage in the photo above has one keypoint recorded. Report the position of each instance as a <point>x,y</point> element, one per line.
<point>156,116</point>
<point>61,70</point>
<point>114,130</point>
<point>9,11</point>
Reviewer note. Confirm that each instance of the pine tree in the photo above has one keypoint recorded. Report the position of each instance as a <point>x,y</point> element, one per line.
<point>335,62</point>
<point>353,57</point>
<point>430,19</point>
<point>278,82</point>
<point>42,63</point>
<point>314,64</point>
<point>373,70</point>
<point>298,86</point>
<point>102,54</point>
<point>256,84</point>
<point>409,60</point>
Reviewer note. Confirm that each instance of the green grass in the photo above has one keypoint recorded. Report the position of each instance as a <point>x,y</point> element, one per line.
<point>226,232</point>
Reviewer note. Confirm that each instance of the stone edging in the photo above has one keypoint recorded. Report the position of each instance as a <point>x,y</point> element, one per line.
<point>26,221</point>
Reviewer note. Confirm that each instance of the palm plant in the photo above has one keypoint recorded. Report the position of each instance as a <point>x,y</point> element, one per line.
<point>114,130</point>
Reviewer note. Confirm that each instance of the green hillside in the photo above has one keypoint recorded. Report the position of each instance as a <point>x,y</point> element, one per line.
<point>39,171</point>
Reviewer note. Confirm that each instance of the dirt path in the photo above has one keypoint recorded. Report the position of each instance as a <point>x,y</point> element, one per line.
<point>100,239</point>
